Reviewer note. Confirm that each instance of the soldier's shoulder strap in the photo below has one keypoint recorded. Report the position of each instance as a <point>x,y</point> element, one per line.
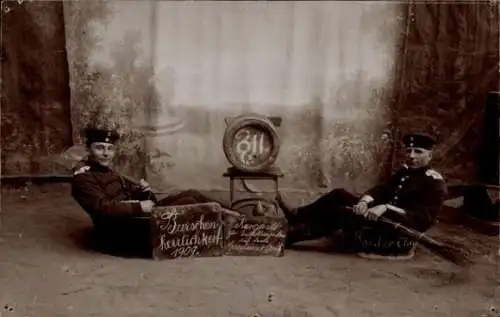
<point>434,174</point>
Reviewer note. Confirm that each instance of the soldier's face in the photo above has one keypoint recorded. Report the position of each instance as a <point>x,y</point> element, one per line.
<point>417,157</point>
<point>102,153</point>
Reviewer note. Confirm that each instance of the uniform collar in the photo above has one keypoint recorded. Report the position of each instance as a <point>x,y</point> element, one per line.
<point>96,167</point>
<point>422,169</point>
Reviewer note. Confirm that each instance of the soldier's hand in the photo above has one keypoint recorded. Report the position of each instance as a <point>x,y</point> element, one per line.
<point>360,208</point>
<point>375,212</point>
<point>147,205</point>
<point>144,185</point>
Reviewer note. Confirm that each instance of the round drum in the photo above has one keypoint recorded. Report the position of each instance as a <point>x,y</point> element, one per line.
<point>251,143</point>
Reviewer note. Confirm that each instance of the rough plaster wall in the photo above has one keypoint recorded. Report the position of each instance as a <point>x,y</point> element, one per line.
<point>35,93</point>
<point>327,68</point>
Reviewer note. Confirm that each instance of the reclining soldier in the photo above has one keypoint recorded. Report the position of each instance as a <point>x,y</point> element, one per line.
<point>412,197</point>
<point>117,206</point>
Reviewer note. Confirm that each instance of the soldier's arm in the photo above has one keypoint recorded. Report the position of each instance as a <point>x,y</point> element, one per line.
<point>139,194</point>
<point>423,212</point>
<point>128,185</point>
<point>136,192</point>
<point>380,192</point>
<point>89,195</point>
<point>377,193</point>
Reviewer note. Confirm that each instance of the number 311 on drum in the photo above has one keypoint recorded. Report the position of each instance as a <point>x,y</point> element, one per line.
<point>250,145</point>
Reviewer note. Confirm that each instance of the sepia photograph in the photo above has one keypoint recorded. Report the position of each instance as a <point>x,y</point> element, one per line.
<point>196,158</point>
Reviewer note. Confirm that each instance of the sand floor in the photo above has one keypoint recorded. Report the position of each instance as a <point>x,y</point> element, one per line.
<point>45,271</point>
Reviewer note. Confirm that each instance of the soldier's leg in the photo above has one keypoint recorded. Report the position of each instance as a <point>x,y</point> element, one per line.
<point>189,197</point>
<point>327,206</point>
<point>321,217</point>
<point>320,208</point>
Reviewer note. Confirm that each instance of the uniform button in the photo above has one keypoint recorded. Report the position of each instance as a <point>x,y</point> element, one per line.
<point>395,197</point>
<point>400,186</point>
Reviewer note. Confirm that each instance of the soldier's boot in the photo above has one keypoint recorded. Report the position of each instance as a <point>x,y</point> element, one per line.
<point>294,235</point>
<point>289,212</point>
<point>302,232</point>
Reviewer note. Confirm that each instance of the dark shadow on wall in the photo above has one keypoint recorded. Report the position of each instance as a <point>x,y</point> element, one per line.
<point>451,64</point>
<point>35,92</point>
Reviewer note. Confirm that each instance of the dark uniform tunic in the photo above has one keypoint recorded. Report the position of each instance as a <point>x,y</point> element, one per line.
<point>420,192</point>
<point>121,226</point>
<point>102,192</point>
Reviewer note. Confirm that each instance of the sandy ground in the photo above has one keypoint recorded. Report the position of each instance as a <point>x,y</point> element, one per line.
<point>46,272</point>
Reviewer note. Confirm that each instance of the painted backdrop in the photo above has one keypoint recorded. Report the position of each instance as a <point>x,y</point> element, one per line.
<point>348,78</point>
<point>167,73</point>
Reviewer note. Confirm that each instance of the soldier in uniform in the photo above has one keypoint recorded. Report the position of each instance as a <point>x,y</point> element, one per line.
<point>118,207</point>
<point>412,196</point>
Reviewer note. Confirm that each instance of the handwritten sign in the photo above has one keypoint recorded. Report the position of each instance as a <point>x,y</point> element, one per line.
<point>255,236</point>
<point>194,230</point>
<point>370,240</point>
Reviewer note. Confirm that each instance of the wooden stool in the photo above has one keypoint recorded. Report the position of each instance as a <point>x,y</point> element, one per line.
<point>273,174</point>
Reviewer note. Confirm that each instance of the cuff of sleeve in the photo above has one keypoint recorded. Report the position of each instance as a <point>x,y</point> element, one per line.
<point>367,199</point>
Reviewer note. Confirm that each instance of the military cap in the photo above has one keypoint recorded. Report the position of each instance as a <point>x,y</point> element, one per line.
<point>419,140</point>
<point>101,135</point>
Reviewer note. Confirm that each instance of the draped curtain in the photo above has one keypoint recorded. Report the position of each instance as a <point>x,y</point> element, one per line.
<point>348,79</point>
<point>327,68</point>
